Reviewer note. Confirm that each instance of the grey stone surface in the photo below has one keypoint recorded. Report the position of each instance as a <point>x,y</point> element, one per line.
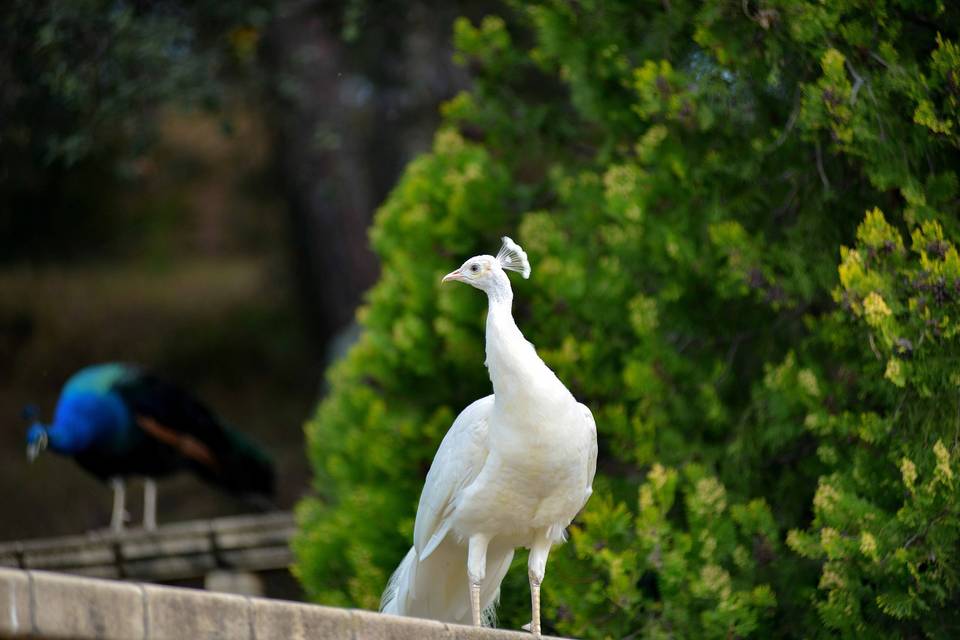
<point>14,603</point>
<point>377,626</point>
<point>289,621</point>
<point>241,583</point>
<point>171,552</point>
<point>460,632</point>
<point>182,614</point>
<point>71,607</point>
<point>38,604</point>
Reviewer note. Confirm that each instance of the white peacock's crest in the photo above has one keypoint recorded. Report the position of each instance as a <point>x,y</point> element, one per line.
<point>513,257</point>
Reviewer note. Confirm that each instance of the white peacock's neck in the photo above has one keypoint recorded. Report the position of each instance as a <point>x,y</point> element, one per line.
<point>516,371</point>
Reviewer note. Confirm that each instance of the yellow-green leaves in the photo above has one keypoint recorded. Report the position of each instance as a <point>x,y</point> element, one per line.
<point>904,300</point>
<point>875,309</point>
<point>709,566</point>
<point>488,43</point>
<point>643,315</point>
<point>938,110</point>
<point>656,497</point>
<point>622,186</point>
<point>827,104</point>
<point>658,88</point>
<point>896,372</point>
<point>666,94</point>
<point>876,234</point>
<point>944,472</point>
<point>908,471</point>
<point>939,260</point>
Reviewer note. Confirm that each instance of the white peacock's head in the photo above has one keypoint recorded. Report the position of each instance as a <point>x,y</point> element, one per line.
<point>484,271</point>
<point>478,271</point>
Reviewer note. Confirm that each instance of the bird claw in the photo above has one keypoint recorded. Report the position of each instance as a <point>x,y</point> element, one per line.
<point>529,627</point>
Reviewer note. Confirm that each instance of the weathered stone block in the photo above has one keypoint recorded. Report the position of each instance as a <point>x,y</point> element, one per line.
<point>14,603</point>
<point>182,614</point>
<point>377,626</point>
<point>461,632</point>
<point>71,607</point>
<point>289,621</point>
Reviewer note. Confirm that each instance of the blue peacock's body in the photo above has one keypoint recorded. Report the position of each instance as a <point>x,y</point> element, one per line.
<point>118,421</point>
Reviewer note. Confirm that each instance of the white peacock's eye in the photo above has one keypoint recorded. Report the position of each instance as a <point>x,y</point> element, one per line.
<point>474,268</point>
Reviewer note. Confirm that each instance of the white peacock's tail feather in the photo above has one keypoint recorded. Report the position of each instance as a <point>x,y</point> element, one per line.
<point>513,257</point>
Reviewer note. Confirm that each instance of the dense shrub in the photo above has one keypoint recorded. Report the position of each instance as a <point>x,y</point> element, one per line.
<point>741,219</point>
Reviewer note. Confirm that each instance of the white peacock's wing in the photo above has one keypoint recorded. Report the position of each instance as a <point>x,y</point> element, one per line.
<point>591,426</point>
<point>458,462</point>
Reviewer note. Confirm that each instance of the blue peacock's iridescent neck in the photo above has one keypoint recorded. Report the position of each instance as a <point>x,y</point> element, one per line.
<point>83,418</point>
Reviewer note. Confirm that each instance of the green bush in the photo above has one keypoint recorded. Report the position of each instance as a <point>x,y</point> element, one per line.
<point>741,220</point>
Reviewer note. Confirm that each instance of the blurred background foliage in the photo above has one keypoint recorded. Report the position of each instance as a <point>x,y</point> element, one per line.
<point>187,185</point>
<point>741,218</point>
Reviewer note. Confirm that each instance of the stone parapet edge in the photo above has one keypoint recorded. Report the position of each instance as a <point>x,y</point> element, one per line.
<point>40,604</point>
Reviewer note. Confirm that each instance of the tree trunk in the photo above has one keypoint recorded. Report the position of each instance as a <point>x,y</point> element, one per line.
<point>350,115</point>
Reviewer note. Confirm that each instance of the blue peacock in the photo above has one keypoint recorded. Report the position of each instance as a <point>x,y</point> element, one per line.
<point>117,421</point>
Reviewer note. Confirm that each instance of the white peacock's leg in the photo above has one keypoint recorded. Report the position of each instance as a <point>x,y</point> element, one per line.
<point>119,500</point>
<point>149,504</point>
<point>476,570</point>
<point>534,606</point>
<point>536,569</point>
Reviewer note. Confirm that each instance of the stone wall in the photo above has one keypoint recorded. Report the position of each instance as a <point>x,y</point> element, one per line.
<point>39,604</point>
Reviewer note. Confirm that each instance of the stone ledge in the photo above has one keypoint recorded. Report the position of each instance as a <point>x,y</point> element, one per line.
<point>171,552</point>
<point>38,604</point>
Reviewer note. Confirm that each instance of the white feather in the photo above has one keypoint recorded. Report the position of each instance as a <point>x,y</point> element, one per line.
<point>513,257</point>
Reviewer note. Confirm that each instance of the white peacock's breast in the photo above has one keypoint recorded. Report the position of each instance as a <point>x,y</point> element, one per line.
<point>516,495</point>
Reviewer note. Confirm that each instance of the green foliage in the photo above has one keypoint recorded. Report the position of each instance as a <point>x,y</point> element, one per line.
<point>84,73</point>
<point>703,581</point>
<point>773,370</point>
<point>886,520</point>
<point>81,82</point>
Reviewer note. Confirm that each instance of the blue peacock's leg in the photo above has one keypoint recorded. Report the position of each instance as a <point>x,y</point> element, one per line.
<point>149,504</point>
<point>119,499</point>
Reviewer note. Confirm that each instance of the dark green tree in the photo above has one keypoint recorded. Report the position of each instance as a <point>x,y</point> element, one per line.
<point>81,82</point>
<point>742,220</point>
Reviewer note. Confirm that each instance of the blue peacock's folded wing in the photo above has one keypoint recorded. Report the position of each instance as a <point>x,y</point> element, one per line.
<point>167,414</point>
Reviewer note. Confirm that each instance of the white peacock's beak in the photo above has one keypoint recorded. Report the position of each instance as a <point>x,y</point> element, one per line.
<point>453,275</point>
